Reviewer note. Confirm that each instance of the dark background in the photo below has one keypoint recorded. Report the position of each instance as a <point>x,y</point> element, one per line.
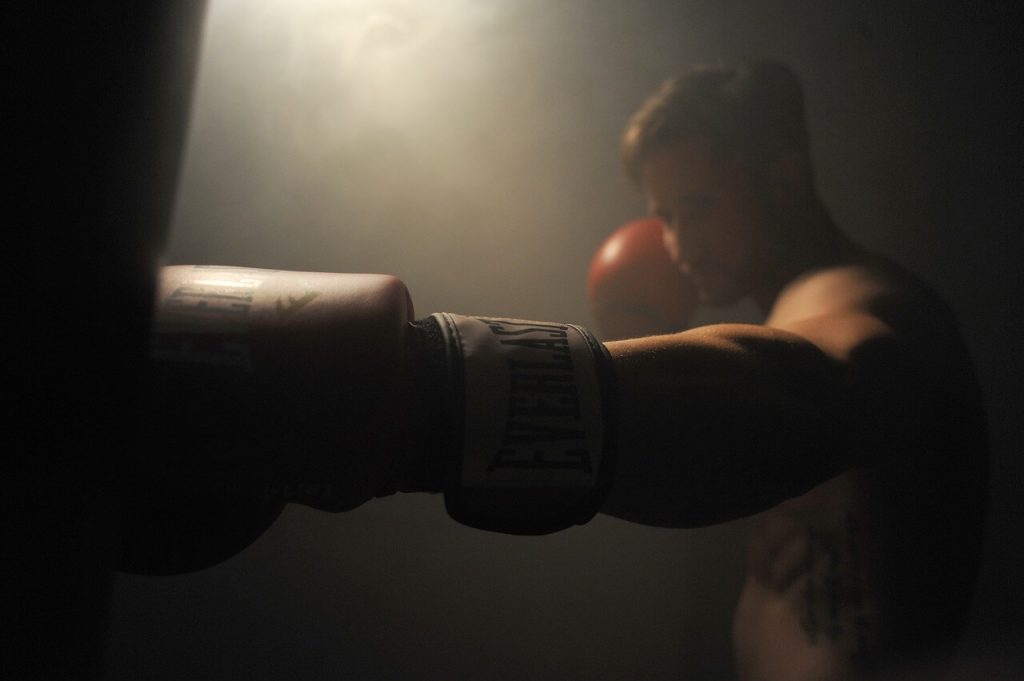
<point>471,149</point>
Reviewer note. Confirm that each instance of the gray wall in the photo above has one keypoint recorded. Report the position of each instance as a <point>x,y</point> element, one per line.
<point>470,148</point>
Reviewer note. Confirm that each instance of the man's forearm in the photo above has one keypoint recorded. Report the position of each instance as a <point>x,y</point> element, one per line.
<point>721,422</point>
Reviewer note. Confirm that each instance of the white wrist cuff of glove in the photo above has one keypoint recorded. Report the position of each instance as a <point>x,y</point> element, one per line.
<point>529,435</point>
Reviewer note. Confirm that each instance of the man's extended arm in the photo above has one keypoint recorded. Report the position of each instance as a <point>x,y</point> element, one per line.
<point>727,420</point>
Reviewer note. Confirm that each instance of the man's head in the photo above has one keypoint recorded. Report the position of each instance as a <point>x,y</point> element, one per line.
<point>721,155</point>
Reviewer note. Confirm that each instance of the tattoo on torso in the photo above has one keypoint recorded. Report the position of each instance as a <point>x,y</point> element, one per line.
<point>834,608</point>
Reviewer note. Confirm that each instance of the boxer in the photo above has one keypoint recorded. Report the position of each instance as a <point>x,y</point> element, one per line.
<point>871,571</point>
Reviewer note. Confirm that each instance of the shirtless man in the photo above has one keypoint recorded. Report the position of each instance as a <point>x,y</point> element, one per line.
<point>850,420</point>
<point>872,571</point>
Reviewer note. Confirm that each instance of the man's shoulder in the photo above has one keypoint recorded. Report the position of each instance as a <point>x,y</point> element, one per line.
<point>876,310</point>
<point>867,285</point>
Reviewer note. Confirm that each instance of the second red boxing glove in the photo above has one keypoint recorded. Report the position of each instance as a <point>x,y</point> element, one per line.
<point>633,286</point>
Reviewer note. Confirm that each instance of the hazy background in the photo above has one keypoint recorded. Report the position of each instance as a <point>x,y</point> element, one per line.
<point>470,147</point>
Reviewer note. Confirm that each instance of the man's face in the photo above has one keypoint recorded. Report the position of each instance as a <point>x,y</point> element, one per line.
<point>714,222</point>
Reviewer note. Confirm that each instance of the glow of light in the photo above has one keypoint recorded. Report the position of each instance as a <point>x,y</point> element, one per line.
<point>325,79</point>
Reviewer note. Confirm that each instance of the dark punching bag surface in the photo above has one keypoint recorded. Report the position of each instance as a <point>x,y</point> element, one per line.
<point>96,109</point>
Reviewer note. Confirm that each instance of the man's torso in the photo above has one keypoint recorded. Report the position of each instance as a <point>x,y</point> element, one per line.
<point>881,560</point>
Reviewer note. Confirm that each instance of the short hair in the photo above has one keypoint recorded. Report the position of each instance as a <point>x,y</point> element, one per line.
<point>752,110</point>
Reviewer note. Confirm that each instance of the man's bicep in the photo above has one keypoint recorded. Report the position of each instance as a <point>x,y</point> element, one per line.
<point>888,385</point>
<point>720,422</point>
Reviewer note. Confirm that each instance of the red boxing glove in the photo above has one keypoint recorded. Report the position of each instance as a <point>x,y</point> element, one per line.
<point>264,387</point>
<point>269,387</point>
<point>634,288</point>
